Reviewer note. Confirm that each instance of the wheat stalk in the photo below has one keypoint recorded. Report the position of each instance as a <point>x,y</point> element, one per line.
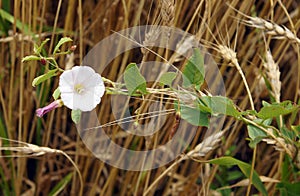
<point>230,55</point>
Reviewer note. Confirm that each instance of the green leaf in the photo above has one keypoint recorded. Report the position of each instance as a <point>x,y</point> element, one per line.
<point>76,115</point>
<point>220,105</point>
<point>4,27</point>
<point>193,115</point>
<point>61,42</point>
<point>289,189</point>
<point>61,184</point>
<point>11,19</point>
<point>245,168</point>
<point>276,109</point>
<point>255,134</point>
<point>214,105</point>
<point>5,186</point>
<point>44,77</point>
<point>134,80</point>
<point>287,133</point>
<point>296,128</point>
<point>56,93</point>
<point>167,78</point>
<point>37,49</point>
<point>234,175</point>
<point>31,58</point>
<point>249,112</point>
<point>194,73</point>
<point>286,170</point>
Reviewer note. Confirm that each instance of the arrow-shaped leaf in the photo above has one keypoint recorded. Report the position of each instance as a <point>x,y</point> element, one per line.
<point>193,73</point>
<point>134,80</point>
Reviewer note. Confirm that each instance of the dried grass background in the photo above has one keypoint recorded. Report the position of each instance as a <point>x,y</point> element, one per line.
<point>212,21</point>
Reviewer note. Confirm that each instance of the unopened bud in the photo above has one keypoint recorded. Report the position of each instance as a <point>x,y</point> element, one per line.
<point>73,48</point>
<point>177,116</point>
<point>43,61</point>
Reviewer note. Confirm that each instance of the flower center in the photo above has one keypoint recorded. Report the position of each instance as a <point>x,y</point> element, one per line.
<point>79,88</point>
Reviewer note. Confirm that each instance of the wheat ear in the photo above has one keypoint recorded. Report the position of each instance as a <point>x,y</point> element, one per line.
<point>273,75</point>
<point>270,27</point>
<point>32,150</point>
<point>208,144</point>
<point>167,12</point>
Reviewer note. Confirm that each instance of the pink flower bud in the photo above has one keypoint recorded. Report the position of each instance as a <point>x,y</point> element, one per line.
<point>73,48</point>
<point>55,104</point>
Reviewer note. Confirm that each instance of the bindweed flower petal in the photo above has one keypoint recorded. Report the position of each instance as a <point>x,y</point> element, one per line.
<point>42,111</point>
<point>81,88</point>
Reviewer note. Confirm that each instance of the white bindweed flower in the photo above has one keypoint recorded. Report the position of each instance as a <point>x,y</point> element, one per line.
<point>81,88</point>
